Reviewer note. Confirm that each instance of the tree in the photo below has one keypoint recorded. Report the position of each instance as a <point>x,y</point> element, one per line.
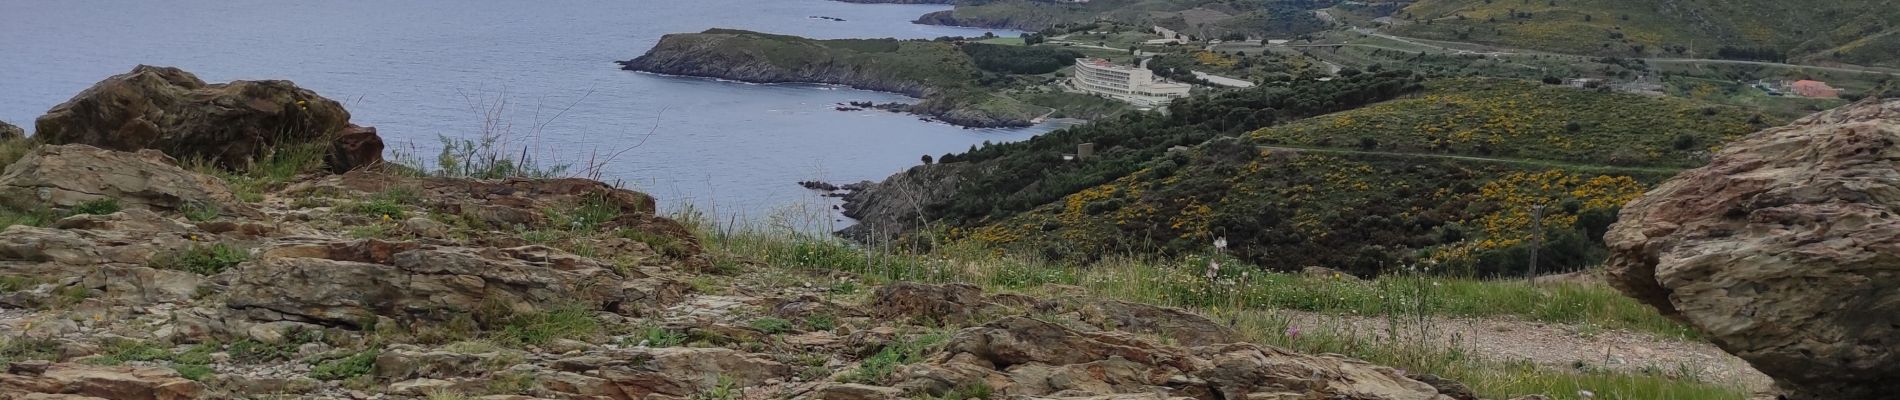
<point>926,159</point>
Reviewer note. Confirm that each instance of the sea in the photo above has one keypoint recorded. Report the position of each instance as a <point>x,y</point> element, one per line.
<point>540,71</point>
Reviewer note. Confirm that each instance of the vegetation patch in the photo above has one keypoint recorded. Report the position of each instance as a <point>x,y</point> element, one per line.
<point>350,366</point>
<point>878,367</point>
<point>201,259</point>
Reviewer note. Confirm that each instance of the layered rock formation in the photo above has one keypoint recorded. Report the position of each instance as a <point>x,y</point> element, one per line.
<point>1782,250</point>
<point>63,176</point>
<point>231,124</point>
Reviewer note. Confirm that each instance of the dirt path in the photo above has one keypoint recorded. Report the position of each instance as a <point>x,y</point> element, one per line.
<point>1521,161</point>
<point>1554,346</point>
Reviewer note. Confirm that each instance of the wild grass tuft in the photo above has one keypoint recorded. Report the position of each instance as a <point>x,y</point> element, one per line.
<point>100,206</point>
<point>201,259</point>
<point>537,328</point>
<point>876,368</point>
<point>351,366</point>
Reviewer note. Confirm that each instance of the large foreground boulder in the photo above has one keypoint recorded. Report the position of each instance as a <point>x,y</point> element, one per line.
<point>1785,249</point>
<point>170,110</point>
<point>62,176</point>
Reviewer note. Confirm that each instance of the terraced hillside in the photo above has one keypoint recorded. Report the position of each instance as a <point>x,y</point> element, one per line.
<point>1863,32</point>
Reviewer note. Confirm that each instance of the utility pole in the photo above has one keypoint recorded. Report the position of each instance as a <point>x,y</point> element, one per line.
<point>1537,238</point>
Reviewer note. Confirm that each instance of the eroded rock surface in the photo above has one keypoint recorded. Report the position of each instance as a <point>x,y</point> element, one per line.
<point>1783,251</point>
<point>63,176</point>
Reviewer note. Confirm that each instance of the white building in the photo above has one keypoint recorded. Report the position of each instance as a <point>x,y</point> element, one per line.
<point>1134,85</point>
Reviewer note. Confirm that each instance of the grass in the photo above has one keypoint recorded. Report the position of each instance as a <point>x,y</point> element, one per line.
<point>657,336</point>
<point>390,204</point>
<point>193,363</point>
<point>538,328</point>
<point>1256,305</point>
<point>22,348</point>
<point>34,217</point>
<point>201,259</point>
<point>277,168</point>
<point>100,206</point>
<point>878,367</point>
<point>771,325</point>
<point>14,149</point>
<point>351,366</point>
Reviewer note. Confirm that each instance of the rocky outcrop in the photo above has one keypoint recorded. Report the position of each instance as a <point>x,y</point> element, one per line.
<point>170,110</point>
<point>43,380</point>
<point>887,209</point>
<point>346,284</point>
<point>64,176</point>
<point>10,132</point>
<point>953,303</point>
<point>1782,250</point>
<point>355,147</point>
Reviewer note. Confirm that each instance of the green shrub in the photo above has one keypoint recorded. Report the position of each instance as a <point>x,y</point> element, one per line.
<point>196,372</point>
<point>351,366</point>
<point>201,259</point>
<point>100,206</point>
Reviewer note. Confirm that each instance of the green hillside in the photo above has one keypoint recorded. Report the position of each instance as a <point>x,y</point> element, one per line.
<point>1202,18</point>
<point>1525,120</point>
<point>1445,177</point>
<point>1865,32</point>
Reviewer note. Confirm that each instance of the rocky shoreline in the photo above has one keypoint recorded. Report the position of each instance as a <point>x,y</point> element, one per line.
<point>949,18</point>
<point>697,55</point>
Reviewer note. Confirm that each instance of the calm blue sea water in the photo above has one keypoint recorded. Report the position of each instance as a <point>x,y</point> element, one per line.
<point>418,68</point>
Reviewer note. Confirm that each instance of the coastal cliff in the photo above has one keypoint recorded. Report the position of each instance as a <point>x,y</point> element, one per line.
<point>1024,22</point>
<point>936,72</point>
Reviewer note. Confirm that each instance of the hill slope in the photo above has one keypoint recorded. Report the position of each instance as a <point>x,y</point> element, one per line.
<point>1444,177</point>
<point>1865,32</point>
